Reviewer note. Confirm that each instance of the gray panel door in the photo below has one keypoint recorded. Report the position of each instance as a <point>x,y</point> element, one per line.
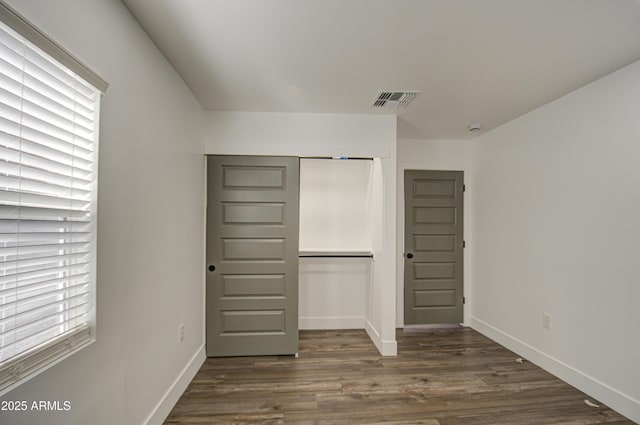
<point>252,255</point>
<point>433,247</point>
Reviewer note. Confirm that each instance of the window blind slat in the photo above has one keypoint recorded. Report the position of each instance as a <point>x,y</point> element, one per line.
<point>15,252</point>
<point>12,78</point>
<point>31,278</point>
<point>77,278</point>
<point>24,344</point>
<point>41,163</point>
<point>77,117</point>
<point>36,175</point>
<point>13,94</point>
<point>42,67</point>
<point>62,118</point>
<point>44,299</point>
<point>8,212</point>
<point>10,239</point>
<point>9,197</point>
<point>46,226</point>
<point>59,97</point>
<point>40,131</point>
<point>12,68</point>
<point>44,157</point>
<point>11,46</point>
<point>48,162</point>
<point>46,66</point>
<point>9,268</point>
<point>35,318</point>
<point>40,187</point>
<point>11,82</point>
<point>25,308</point>
<point>44,321</point>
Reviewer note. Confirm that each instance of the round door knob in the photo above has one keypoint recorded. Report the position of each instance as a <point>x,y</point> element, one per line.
<point>409,255</point>
<point>212,267</point>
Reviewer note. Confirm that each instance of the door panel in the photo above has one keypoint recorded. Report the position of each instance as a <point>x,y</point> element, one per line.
<point>253,213</point>
<point>434,215</point>
<point>433,247</point>
<point>252,240</point>
<point>250,250</point>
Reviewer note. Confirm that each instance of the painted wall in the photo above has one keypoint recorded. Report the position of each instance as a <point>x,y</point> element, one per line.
<point>333,205</point>
<point>334,214</point>
<point>255,133</point>
<point>332,292</point>
<point>555,230</point>
<point>150,219</point>
<point>375,294</point>
<point>451,155</point>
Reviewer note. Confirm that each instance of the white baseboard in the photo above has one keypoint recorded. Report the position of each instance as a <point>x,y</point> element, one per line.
<point>386,348</point>
<point>178,386</point>
<point>613,398</point>
<point>316,323</point>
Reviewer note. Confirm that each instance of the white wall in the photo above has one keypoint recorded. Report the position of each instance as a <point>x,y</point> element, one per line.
<point>150,219</point>
<point>556,227</point>
<point>332,292</point>
<point>333,205</point>
<point>334,218</point>
<point>255,133</point>
<point>375,295</point>
<point>450,155</point>
<point>297,134</point>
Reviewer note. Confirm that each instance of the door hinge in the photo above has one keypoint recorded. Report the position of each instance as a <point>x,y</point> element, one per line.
<point>464,300</point>
<point>464,187</point>
<point>464,244</point>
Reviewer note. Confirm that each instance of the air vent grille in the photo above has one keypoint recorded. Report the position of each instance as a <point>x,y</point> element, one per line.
<point>394,99</point>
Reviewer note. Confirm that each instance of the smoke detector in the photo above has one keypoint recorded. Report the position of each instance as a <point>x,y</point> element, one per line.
<point>475,127</point>
<point>394,99</point>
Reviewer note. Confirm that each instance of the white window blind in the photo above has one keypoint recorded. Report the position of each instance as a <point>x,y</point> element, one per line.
<point>48,170</point>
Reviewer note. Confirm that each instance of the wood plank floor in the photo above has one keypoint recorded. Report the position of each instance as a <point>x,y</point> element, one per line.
<point>440,377</point>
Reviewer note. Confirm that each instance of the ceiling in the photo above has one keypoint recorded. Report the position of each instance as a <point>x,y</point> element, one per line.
<point>484,61</point>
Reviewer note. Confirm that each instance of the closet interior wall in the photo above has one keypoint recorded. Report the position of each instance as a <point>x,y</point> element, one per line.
<point>335,242</point>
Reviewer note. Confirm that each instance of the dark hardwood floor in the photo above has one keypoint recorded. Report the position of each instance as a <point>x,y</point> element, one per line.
<point>440,377</point>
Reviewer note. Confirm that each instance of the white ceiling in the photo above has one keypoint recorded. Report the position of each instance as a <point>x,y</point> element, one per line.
<point>485,61</point>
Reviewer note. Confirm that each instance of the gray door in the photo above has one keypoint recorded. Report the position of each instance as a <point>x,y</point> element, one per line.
<point>252,255</point>
<point>433,247</point>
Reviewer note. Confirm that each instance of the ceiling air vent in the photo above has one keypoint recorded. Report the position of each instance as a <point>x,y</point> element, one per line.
<point>394,99</point>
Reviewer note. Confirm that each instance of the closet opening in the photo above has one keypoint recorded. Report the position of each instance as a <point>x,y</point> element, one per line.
<point>336,241</point>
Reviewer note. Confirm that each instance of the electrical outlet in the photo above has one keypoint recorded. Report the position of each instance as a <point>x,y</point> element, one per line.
<point>546,321</point>
<point>181,332</point>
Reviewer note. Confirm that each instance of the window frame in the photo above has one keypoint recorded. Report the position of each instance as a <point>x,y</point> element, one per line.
<point>24,366</point>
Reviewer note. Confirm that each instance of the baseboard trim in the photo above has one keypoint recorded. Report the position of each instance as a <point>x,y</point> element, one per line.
<point>317,323</point>
<point>178,386</point>
<point>386,348</point>
<point>613,398</point>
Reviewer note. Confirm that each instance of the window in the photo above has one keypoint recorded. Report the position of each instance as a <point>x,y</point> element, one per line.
<point>48,181</point>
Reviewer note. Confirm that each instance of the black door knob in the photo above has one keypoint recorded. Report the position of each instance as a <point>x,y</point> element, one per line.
<point>212,267</point>
<point>409,255</point>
